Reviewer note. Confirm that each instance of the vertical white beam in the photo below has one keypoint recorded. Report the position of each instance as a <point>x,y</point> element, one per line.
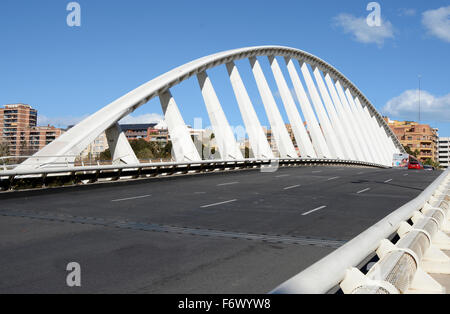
<point>330,135</point>
<point>313,126</point>
<point>120,148</point>
<point>226,143</point>
<point>257,138</point>
<point>364,128</point>
<point>301,135</point>
<point>394,149</point>
<point>376,135</point>
<point>183,146</point>
<point>344,142</point>
<point>344,117</point>
<point>374,132</point>
<point>389,143</point>
<point>354,123</point>
<point>279,131</point>
<point>383,140</point>
<point>387,140</point>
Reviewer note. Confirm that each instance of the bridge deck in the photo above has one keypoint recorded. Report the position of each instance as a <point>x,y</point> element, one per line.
<point>240,232</point>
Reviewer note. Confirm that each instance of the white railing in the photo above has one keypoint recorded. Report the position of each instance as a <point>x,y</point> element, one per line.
<point>401,266</point>
<point>66,162</point>
<point>41,177</point>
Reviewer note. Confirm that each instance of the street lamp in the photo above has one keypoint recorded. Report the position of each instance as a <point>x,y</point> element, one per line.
<point>420,77</point>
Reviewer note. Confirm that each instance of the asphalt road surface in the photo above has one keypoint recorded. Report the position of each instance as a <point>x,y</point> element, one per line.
<point>238,232</point>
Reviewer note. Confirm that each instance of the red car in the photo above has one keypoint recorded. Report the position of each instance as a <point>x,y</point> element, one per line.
<point>415,164</point>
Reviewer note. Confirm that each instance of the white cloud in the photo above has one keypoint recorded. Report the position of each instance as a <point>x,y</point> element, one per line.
<point>406,106</point>
<point>407,12</point>
<point>58,121</point>
<point>144,118</point>
<point>362,32</point>
<point>437,22</point>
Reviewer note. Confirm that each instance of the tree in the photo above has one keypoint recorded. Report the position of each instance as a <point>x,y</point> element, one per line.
<point>4,149</point>
<point>432,163</point>
<point>145,150</point>
<point>247,152</point>
<point>410,152</point>
<point>105,155</point>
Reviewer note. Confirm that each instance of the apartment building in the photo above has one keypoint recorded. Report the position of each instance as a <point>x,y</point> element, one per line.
<point>137,131</point>
<point>98,146</point>
<point>444,152</point>
<point>40,136</point>
<point>18,128</point>
<point>417,136</point>
<point>15,123</point>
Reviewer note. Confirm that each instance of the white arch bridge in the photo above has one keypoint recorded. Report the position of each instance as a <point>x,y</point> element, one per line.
<point>336,121</point>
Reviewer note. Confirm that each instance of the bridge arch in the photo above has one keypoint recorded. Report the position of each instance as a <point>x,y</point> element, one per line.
<point>340,119</point>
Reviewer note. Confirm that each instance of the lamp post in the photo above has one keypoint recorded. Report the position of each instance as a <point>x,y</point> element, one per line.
<point>420,77</point>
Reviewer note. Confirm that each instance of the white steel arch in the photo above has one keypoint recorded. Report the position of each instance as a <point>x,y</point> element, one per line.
<point>331,128</point>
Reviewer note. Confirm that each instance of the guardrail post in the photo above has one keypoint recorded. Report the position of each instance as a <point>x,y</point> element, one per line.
<point>10,182</point>
<point>44,177</point>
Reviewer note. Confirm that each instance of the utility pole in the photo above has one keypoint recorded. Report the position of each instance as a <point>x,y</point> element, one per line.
<point>420,77</point>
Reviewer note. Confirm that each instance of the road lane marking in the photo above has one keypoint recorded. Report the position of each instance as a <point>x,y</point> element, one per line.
<point>130,198</point>
<point>317,171</point>
<point>360,172</point>
<point>292,187</point>
<point>230,183</point>
<point>333,178</point>
<point>362,191</point>
<point>282,175</point>
<point>405,174</point>
<point>387,181</point>
<point>216,204</point>
<point>314,210</point>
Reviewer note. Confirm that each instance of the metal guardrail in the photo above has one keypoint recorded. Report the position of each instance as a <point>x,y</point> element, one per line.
<point>67,161</point>
<point>42,177</point>
<point>403,267</point>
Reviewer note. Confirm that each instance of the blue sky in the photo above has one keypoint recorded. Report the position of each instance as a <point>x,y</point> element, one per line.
<point>69,72</point>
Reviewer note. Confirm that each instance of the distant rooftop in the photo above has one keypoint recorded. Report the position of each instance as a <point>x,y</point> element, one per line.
<point>16,105</point>
<point>124,127</point>
<point>142,126</point>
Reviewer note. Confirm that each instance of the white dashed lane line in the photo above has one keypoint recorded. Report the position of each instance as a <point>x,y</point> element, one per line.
<point>292,187</point>
<point>216,204</point>
<point>387,181</point>
<point>282,176</point>
<point>130,198</point>
<point>362,191</point>
<point>229,183</point>
<point>314,210</point>
<point>333,178</point>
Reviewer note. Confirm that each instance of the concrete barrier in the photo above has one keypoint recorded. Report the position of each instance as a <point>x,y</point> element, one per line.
<point>402,268</point>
